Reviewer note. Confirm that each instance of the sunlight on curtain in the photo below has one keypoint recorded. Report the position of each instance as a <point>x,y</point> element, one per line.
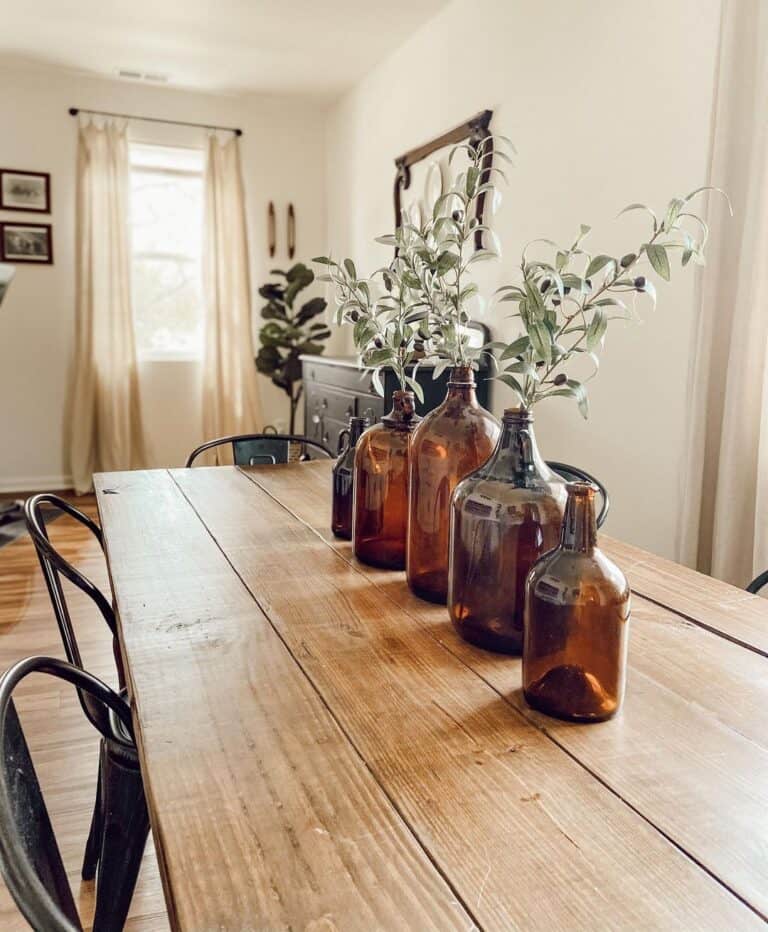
<point>231,403</point>
<point>105,429</point>
<point>724,519</point>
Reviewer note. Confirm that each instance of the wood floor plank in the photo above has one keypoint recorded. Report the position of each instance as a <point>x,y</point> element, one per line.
<point>527,835</point>
<point>263,813</point>
<point>689,752</point>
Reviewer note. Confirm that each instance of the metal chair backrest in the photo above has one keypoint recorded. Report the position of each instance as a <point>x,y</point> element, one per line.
<point>758,582</point>
<point>52,563</point>
<point>574,474</point>
<point>30,860</point>
<point>259,449</point>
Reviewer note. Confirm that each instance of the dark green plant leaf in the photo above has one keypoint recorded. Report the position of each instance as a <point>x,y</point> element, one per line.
<point>657,255</point>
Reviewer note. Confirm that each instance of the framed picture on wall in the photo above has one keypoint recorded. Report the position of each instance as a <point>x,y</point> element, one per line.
<point>25,191</point>
<point>26,242</point>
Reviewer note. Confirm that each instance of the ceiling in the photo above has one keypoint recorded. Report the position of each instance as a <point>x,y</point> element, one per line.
<point>317,47</point>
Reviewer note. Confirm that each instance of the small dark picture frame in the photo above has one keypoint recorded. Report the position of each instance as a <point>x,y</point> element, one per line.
<point>27,191</point>
<point>26,242</point>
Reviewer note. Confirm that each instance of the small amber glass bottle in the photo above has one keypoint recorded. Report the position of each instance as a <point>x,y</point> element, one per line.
<point>380,511</point>
<point>343,475</point>
<point>504,516</point>
<point>451,441</point>
<point>576,622</point>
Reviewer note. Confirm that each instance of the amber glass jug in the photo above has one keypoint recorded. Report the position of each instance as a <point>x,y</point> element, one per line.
<point>380,510</point>
<point>451,441</point>
<point>504,516</point>
<point>576,622</point>
<point>342,481</point>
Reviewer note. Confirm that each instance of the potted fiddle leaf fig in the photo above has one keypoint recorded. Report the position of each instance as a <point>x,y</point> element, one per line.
<point>290,331</point>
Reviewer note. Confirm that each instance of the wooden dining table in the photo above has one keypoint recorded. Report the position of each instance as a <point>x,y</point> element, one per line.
<point>320,750</point>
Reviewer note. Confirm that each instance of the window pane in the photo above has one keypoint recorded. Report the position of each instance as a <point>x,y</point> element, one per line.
<point>166,230</point>
<point>168,302</point>
<point>166,213</point>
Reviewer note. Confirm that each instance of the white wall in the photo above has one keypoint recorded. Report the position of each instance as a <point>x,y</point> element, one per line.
<point>608,102</point>
<point>283,160</point>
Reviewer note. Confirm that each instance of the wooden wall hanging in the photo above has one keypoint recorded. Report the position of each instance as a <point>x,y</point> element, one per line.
<point>291,231</point>
<point>271,230</point>
<point>475,129</point>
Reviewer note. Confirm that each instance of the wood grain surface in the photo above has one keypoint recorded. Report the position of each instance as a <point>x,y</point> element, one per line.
<point>322,751</point>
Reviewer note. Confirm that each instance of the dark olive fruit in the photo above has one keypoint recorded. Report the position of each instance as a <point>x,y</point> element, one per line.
<point>556,302</point>
<point>539,364</point>
<point>588,283</point>
<point>544,286</point>
<point>473,223</point>
<point>458,215</point>
<point>403,344</point>
<point>560,379</point>
<point>566,289</point>
<point>418,345</point>
<point>378,343</point>
<point>354,316</point>
<point>639,282</point>
<point>627,260</point>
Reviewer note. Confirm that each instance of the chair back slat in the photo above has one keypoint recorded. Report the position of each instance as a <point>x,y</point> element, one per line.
<point>43,894</point>
<point>259,449</point>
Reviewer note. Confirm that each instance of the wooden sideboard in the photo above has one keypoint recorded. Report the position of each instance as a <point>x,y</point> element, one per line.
<point>338,387</point>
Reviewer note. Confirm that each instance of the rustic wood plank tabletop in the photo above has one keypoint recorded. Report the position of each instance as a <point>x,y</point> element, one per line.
<point>321,750</point>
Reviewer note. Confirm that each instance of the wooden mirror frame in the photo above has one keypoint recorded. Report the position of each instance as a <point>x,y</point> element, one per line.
<point>474,130</point>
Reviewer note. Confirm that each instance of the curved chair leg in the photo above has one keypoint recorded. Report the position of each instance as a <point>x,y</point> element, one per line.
<point>124,834</point>
<point>93,845</point>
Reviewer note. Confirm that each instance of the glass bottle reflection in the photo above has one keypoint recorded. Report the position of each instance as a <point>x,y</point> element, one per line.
<point>342,481</point>
<point>576,622</point>
<point>380,511</point>
<point>504,516</point>
<point>451,441</point>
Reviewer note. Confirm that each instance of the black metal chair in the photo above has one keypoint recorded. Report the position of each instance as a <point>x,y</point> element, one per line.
<point>574,474</point>
<point>29,856</point>
<point>260,449</point>
<point>115,769</point>
<point>758,582</point>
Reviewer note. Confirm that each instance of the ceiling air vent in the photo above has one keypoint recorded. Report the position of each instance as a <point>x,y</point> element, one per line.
<point>129,75</point>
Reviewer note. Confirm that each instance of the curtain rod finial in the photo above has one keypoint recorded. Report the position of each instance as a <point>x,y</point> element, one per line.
<point>73,111</point>
<point>238,132</point>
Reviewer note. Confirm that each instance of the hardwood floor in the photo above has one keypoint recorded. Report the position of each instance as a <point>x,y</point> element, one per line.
<point>64,746</point>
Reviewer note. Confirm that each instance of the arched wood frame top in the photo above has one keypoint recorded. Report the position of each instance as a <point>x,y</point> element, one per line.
<point>474,129</point>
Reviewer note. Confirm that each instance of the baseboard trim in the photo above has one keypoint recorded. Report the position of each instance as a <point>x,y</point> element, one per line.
<point>34,483</point>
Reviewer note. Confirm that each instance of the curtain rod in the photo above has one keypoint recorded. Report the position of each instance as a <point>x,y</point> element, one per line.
<point>73,111</point>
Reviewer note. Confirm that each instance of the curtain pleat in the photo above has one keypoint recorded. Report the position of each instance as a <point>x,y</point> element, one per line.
<point>231,403</point>
<point>724,515</point>
<point>105,428</point>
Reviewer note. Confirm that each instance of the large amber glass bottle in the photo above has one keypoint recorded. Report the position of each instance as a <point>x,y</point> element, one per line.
<point>504,516</point>
<point>451,441</point>
<point>576,622</point>
<point>380,511</point>
<point>342,482</point>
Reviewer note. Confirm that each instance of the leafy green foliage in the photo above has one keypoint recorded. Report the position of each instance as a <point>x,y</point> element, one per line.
<point>417,307</point>
<point>564,313</point>
<point>289,331</point>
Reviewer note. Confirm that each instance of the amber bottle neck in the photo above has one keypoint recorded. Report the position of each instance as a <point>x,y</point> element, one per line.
<point>403,414</point>
<point>461,385</point>
<point>516,455</point>
<point>579,531</point>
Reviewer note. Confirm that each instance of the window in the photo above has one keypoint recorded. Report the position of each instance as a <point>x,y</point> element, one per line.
<point>167,232</point>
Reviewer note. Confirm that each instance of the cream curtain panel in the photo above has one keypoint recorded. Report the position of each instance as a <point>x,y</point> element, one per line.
<point>724,520</point>
<point>105,429</point>
<point>231,403</point>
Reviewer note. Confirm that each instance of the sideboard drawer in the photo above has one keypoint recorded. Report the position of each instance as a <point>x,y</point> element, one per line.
<point>327,402</point>
<point>344,377</point>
